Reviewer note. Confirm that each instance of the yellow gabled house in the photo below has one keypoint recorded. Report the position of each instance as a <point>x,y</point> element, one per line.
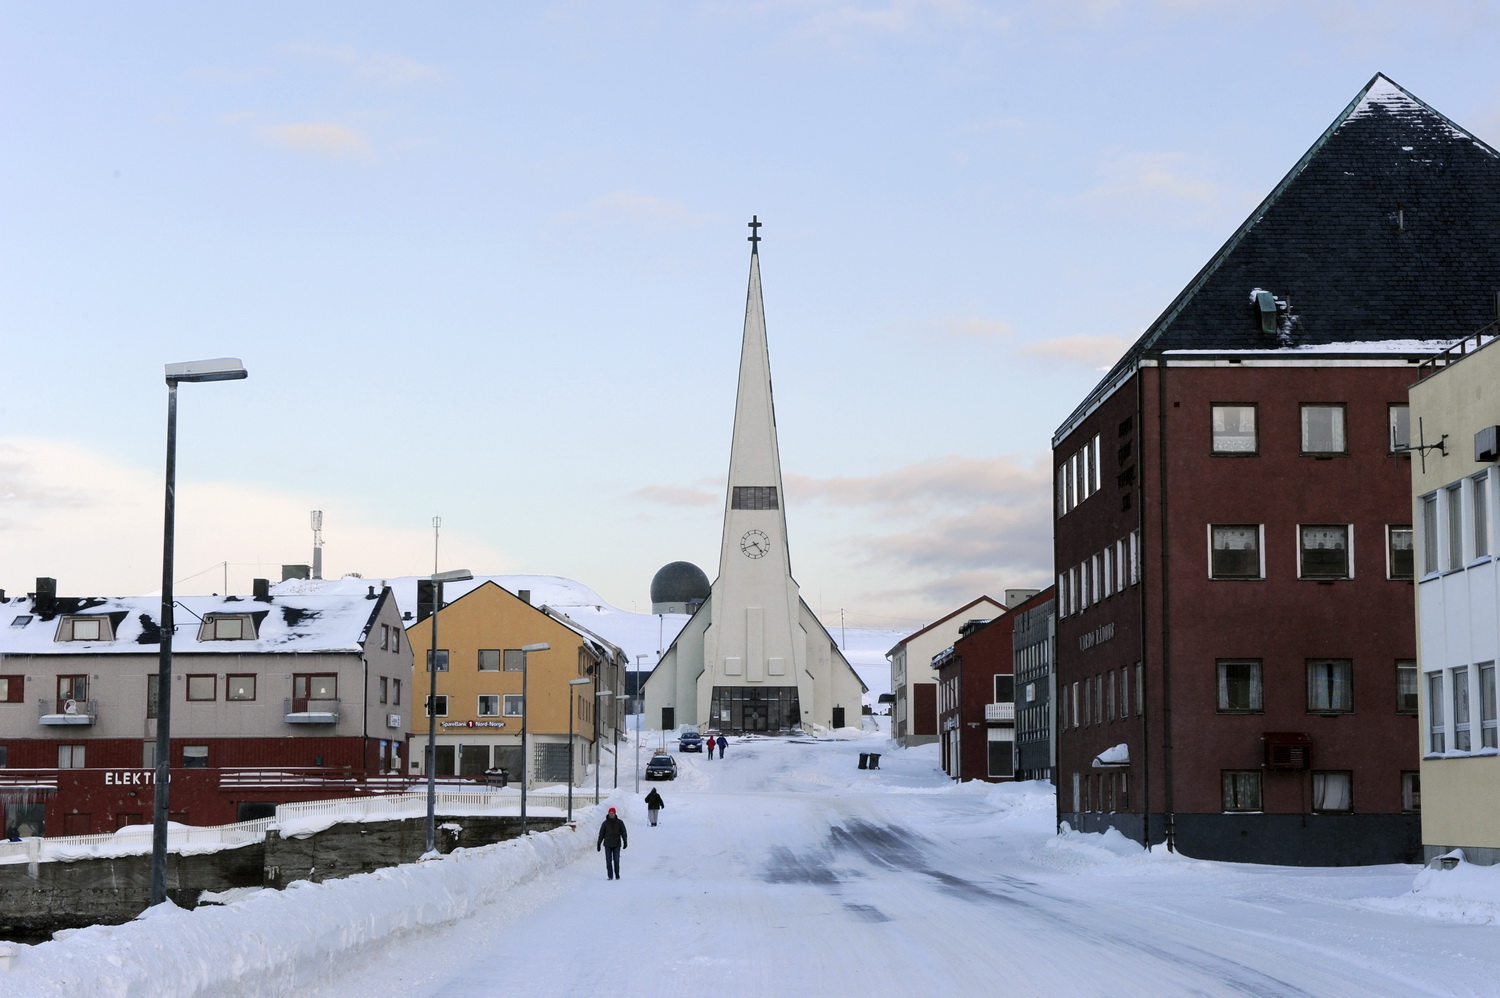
<point>484,678</point>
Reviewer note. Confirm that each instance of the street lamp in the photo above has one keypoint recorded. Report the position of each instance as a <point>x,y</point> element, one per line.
<point>598,705</point>
<point>525,712</point>
<point>438,578</point>
<point>221,369</point>
<point>572,682</point>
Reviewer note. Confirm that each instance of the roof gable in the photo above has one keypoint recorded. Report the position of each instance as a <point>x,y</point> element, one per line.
<point>1386,231</point>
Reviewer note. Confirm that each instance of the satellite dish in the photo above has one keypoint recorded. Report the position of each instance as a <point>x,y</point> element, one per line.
<point>71,707</point>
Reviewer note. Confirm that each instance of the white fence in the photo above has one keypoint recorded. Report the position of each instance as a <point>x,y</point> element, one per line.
<point>136,839</point>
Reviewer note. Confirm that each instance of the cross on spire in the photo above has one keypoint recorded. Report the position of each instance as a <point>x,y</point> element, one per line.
<point>754,238</point>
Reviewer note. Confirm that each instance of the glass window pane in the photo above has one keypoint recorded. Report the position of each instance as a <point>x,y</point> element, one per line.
<point>1234,429</point>
<point>1325,551</point>
<point>1333,791</point>
<point>1455,510</point>
<point>1400,427</point>
<point>1399,552</point>
<point>1480,506</point>
<point>1236,551</point>
<point>1461,742</point>
<point>1330,686</point>
<point>1437,741</point>
<point>1406,686</point>
<point>1323,429</point>
<point>1430,536</point>
<point>489,660</point>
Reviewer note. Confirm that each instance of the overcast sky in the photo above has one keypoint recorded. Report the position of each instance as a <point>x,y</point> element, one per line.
<point>487,261</point>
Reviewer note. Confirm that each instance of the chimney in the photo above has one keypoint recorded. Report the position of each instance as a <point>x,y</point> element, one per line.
<point>45,597</point>
<point>262,588</point>
<point>371,593</point>
<point>525,595</point>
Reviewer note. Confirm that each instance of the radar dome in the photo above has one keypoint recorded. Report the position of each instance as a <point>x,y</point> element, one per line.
<point>680,587</point>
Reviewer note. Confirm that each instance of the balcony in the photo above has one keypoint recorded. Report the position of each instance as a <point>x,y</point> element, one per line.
<point>1000,712</point>
<point>67,711</point>
<point>306,710</point>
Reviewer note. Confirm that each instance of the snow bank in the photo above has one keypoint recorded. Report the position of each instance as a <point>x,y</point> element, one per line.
<point>280,941</point>
<point>1467,893</point>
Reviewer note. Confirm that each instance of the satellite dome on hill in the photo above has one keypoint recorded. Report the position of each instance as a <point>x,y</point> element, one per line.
<point>680,587</point>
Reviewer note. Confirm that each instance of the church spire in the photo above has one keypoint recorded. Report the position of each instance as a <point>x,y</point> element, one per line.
<point>754,519</point>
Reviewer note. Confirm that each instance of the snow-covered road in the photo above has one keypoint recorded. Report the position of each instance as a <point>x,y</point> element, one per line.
<point>784,869</point>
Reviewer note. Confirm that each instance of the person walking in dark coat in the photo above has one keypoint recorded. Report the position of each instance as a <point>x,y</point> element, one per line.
<point>612,838</point>
<point>654,803</point>
<point>722,742</point>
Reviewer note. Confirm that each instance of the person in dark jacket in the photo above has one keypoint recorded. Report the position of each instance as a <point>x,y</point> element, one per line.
<point>654,803</point>
<point>612,838</point>
<point>723,742</point>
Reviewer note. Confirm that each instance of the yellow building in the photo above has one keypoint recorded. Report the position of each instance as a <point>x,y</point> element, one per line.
<point>484,678</point>
<point>1454,429</point>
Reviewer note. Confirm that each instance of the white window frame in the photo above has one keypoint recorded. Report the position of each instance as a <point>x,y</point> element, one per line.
<point>1430,532</point>
<point>1348,529</point>
<point>1333,791</point>
<point>1391,530</point>
<point>512,705</point>
<point>1218,432</point>
<point>1260,551</point>
<point>1437,713</point>
<point>494,705</point>
<point>1339,432</point>
<point>1489,735</point>
<point>1480,534</point>
<point>1463,714</point>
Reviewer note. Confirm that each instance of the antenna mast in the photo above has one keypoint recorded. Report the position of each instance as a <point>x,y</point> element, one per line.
<point>317,529</point>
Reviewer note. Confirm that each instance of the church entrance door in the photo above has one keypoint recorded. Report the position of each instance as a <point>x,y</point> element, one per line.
<point>755,717</point>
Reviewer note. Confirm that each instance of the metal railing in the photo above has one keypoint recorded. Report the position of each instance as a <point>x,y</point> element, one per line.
<point>136,839</point>
<point>1458,351</point>
<point>66,710</point>
<point>311,710</point>
<point>999,712</point>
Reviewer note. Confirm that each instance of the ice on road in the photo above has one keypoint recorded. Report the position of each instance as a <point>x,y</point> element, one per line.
<point>783,868</point>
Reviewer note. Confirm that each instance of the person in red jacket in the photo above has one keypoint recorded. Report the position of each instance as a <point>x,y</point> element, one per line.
<point>612,838</point>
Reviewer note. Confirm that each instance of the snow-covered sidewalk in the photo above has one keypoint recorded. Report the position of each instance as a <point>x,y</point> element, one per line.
<point>785,867</point>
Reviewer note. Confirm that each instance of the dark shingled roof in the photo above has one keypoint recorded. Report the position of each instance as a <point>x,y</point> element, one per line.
<point>1387,229</point>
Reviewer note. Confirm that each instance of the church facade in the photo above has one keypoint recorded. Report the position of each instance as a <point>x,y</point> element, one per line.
<point>754,657</point>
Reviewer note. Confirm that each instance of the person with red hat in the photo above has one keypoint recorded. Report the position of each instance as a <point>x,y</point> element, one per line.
<point>612,838</point>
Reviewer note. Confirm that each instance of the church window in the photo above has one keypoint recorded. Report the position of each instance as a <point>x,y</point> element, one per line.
<point>754,497</point>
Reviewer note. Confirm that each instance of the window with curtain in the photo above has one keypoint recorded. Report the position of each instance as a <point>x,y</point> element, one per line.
<point>1330,686</point>
<point>1460,689</point>
<point>1239,687</point>
<point>1234,429</point>
<point>1323,429</point>
<point>1333,791</point>
<point>1241,789</point>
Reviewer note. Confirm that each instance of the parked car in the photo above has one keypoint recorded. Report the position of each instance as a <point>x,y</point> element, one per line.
<point>690,741</point>
<point>661,767</point>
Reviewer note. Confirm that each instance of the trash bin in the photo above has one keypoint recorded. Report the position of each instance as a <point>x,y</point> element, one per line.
<point>874,760</point>
<point>864,760</point>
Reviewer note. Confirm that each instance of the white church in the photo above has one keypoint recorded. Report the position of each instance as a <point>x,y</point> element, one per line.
<point>754,657</point>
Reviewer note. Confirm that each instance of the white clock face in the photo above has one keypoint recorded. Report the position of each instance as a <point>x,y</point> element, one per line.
<point>755,544</point>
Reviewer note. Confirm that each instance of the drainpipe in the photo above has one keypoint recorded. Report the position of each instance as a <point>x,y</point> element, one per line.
<point>1166,605</point>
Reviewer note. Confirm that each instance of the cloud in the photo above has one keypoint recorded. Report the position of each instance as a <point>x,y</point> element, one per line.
<point>321,138</point>
<point>375,68</point>
<point>632,208</point>
<point>94,524</point>
<point>668,495</point>
<point>973,328</point>
<point>1166,184</point>
<point>1097,353</point>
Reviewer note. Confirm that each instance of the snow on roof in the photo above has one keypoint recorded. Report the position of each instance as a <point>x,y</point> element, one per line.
<point>1384,96</point>
<point>641,636</point>
<point>1354,347</point>
<point>309,622</point>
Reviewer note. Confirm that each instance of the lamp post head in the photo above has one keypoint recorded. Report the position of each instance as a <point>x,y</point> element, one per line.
<point>219,369</point>
<point>539,646</point>
<point>455,575</point>
<point>605,693</point>
<point>579,682</point>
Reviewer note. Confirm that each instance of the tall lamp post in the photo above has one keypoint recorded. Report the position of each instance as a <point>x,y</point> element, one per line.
<point>599,699</point>
<point>438,578</point>
<point>220,369</point>
<point>571,683</point>
<point>525,711</point>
